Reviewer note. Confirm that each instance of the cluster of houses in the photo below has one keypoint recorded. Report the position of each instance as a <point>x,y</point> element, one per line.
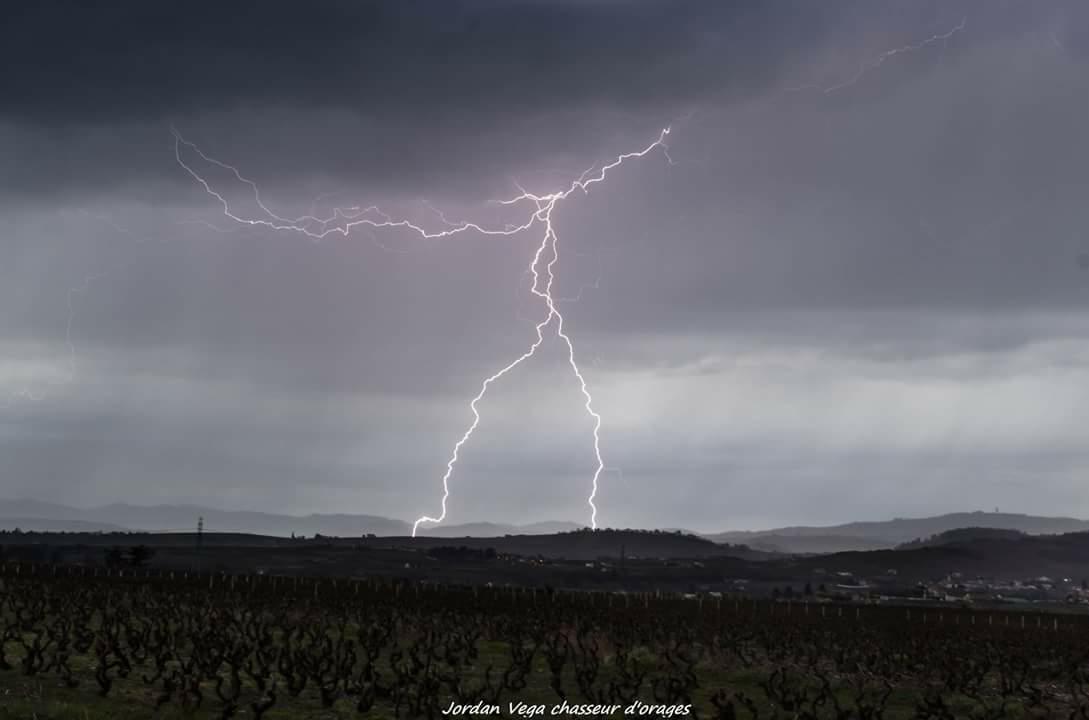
<point>953,588</point>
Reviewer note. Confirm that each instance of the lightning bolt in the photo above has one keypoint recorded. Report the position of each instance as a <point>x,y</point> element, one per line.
<point>81,288</point>
<point>540,268</point>
<point>874,63</point>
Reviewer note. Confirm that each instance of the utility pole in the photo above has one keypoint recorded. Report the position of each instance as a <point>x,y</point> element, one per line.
<point>200,532</point>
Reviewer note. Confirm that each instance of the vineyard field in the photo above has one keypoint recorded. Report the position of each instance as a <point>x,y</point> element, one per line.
<point>138,645</point>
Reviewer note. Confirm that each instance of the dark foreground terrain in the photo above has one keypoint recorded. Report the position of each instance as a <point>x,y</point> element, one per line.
<point>138,625</point>
<point>87,647</point>
<point>972,564</point>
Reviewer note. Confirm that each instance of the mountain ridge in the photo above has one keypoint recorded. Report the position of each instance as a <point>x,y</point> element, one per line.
<point>29,514</point>
<point>866,535</point>
<point>888,534</point>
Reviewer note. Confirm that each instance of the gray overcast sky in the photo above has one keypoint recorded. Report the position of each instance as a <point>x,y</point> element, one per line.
<point>860,303</point>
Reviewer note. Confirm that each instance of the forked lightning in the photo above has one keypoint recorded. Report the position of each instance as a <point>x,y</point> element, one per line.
<point>541,208</point>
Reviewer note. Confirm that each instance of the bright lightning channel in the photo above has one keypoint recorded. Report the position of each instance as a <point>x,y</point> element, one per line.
<point>541,268</point>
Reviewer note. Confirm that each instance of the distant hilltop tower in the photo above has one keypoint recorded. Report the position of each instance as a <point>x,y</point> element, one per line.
<point>200,531</point>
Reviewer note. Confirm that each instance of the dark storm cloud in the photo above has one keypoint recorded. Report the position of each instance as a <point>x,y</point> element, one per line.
<point>400,91</point>
<point>411,97</point>
<point>405,91</point>
<point>79,62</point>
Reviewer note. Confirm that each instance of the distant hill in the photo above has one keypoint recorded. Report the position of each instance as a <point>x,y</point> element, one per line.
<point>963,535</point>
<point>674,557</point>
<point>1025,556</point>
<point>876,535</point>
<point>587,545</point>
<point>43,516</point>
<point>855,536</point>
<point>183,518</point>
<point>577,545</point>
<point>497,529</point>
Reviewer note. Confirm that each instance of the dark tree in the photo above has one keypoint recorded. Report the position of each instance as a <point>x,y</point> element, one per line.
<point>140,555</point>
